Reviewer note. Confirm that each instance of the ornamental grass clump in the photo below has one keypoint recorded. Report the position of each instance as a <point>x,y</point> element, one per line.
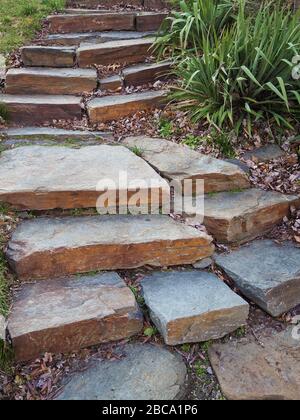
<point>247,74</point>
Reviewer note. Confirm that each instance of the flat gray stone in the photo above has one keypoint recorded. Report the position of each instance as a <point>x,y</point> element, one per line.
<point>239,216</point>
<point>192,306</point>
<point>266,272</point>
<point>94,37</point>
<point>179,163</point>
<point>145,372</point>
<point>264,370</point>
<point>63,315</point>
<point>55,134</point>
<point>265,153</point>
<point>40,177</point>
<point>207,262</point>
<point>2,328</point>
<point>48,56</point>
<point>53,247</point>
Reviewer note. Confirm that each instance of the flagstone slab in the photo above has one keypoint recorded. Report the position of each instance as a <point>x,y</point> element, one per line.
<point>140,372</point>
<point>179,163</point>
<point>266,272</point>
<point>40,178</point>
<point>192,306</point>
<point>111,83</point>
<point>265,153</point>
<point>45,56</point>
<point>50,81</point>
<point>149,21</point>
<point>63,315</point>
<point>54,134</point>
<point>36,109</point>
<point>111,52</point>
<point>146,73</point>
<point>110,108</point>
<point>267,368</point>
<point>244,215</point>
<point>53,247</point>
<point>78,38</point>
<point>91,22</point>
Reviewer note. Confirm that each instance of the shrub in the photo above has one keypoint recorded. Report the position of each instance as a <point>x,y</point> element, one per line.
<point>245,75</point>
<point>183,31</point>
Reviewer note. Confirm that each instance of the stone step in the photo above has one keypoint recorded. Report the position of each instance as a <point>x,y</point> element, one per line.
<point>41,56</point>
<point>91,22</point>
<point>149,21</point>
<point>242,216</point>
<point>53,247</point>
<point>267,273</point>
<point>180,163</point>
<point>108,3</point>
<point>63,315</point>
<point>192,306</point>
<point>114,107</point>
<point>40,178</point>
<point>49,81</point>
<point>113,83</point>
<point>93,37</point>
<point>35,109</point>
<point>139,372</point>
<point>261,367</point>
<point>53,134</point>
<point>146,73</point>
<point>127,51</point>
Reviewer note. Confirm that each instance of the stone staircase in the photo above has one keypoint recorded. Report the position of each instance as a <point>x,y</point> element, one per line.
<point>71,295</point>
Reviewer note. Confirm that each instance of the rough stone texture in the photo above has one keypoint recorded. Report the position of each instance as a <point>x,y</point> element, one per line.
<point>149,21</point>
<point>91,22</point>
<point>202,264</point>
<point>146,73</point>
<point>142,372</point>
<point>50,81</point>
<point>156,4</point>
<point>34,109</point>
<point>126,51</point>
<point>48,247</point>
<point>265,370</point>
<point>111,83</point>
<point>2,66</point>
<point>178,162</point>
<point>267,273</point>
<point>93,37</point>
<point>242,216</point>
<point>95,3</point>
<point>2,328</point>
<point>40,56</point>
<point>192,306</point>
<point>55,134</point>
<point>265,153</point>
<point>39,178</point>
<point>115,107</point>
<point>63,315</point>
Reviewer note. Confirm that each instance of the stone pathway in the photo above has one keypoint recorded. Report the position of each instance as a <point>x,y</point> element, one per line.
<point>143,372</point>
<point>59,170</point>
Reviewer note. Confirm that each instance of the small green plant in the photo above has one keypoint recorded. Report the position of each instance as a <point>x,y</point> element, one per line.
<point>140,300</point>
<point>206,345</point>
<point>137,151</point>
<point>192,141</point>
<point>241,332</point>
<point>150,331</point>
<point>200,369</point>
<point>223,142</point>
<point>186,347</point>
<point>165,128</point>
<point>4,113</point>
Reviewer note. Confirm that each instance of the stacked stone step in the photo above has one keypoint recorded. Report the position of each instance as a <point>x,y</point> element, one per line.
<point>41,178</point>
<point>54,74</point>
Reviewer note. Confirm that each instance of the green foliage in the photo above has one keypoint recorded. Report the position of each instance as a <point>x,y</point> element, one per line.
<point>3,286</point>
<point>192,141</point>
<point>165,128</point>
<point>193,21</point>
<point>21,19</point>
<point>137,151</point>
<point>4,114</point>
<point>150,331</point>
<point>245,74</point>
